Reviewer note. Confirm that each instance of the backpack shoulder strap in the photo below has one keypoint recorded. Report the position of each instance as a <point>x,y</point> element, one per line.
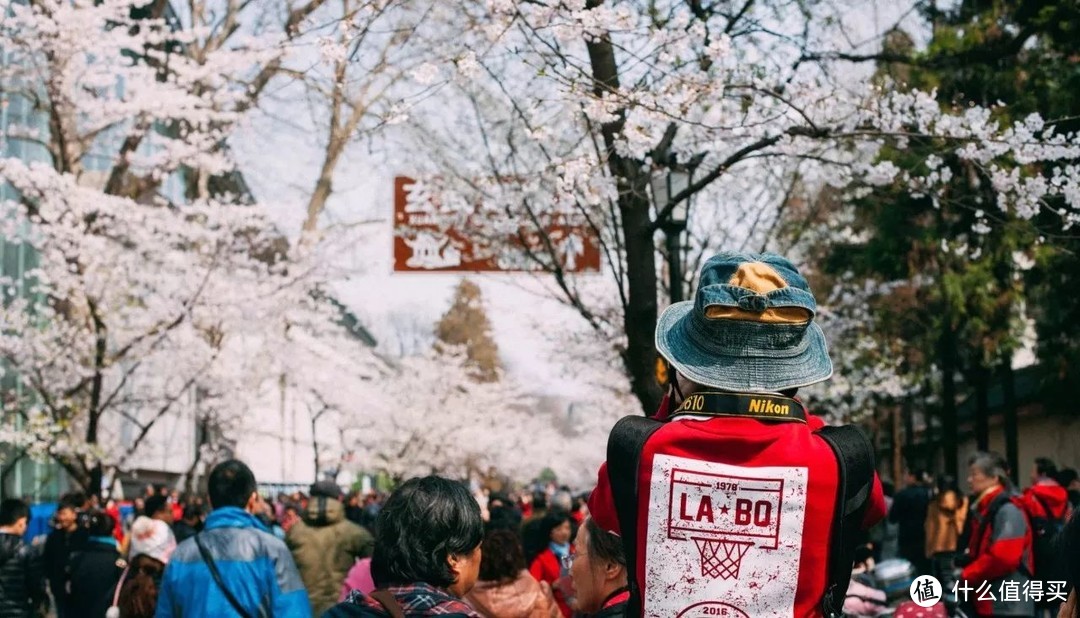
<point>855,464</point>
<point>992,511</point>
<point>210,564</point>
<point>1046,509</point>
<point>625,443</point>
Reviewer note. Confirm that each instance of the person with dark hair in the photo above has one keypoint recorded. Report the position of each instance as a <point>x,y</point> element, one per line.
<point>67,537</point>
<point>325,545</point>
<point>999,552</point>
<point>538,506</point>
<point>598,570</point>
<point>95,569</point>
<point>908,511</point>
<point>504,517</point>
<point>1070,480</point>
<point>1047,506</point>
<point>533,539</point>
<point>945,518</point>
<point>556,529</point>
<point>157,507</point>
<point>1069,550</point>
<point>234,566</point>
<point>1046,498</point>
<point>191,523</point>
<point>354,511</point>
<point>505,588</point>
<point>427,553</point>
<point>22,580</point>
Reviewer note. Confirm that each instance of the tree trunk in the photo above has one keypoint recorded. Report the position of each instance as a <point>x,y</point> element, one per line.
<point>640,317</point>
<point>94,417</point>
<point>897,449</point>
<point>639,320</point>
<point>315,444</point>
<point>949,433</point>
<point>1012,430</point>
<point>982,408</point>
<point>910,448</point>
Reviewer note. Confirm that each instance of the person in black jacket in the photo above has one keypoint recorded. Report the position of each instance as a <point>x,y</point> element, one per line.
<point>1069,546</point>
<point>909,512</point>
<point>598,568</point>
<point>191,523</point>
<point>67,537</point>
<point>22,582</point>
<point>95,569</point>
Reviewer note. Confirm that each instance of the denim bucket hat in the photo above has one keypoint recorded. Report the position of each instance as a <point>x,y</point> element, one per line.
<point>750,327</point>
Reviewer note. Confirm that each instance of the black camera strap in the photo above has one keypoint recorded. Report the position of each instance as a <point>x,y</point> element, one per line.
<point>774,408</point>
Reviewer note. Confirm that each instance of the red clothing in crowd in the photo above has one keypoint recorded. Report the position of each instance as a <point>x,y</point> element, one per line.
<point>1047,494</point>
<point>547,567</point>
<point>118,527</point>
<point>997,549</point>
<point>776,482</point>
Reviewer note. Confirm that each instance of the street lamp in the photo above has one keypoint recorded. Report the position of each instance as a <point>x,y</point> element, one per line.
<point>666,184</point>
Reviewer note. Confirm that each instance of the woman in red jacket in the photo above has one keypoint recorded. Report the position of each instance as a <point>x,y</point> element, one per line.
<point>548,564</point>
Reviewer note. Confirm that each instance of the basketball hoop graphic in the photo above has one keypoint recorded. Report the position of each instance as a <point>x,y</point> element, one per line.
<point>721,559</point>
<point>724,515</point>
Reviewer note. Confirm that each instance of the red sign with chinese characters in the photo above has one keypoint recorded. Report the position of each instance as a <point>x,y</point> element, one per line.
<point>428,237</point>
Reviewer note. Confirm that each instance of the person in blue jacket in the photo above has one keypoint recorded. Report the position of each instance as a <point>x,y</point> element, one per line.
<point>256,576</point>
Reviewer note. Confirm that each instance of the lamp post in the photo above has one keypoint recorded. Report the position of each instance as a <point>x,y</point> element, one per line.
<point>666,184</point>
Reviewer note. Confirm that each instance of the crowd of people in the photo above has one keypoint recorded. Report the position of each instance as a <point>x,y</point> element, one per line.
<point>434,548</point>
<point>232,552</point>
<point>732,499</point>
<point>996,548</point>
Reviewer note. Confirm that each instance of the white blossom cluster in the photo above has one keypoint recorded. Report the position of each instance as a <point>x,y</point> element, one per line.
<point>152,295</point>
<point>772,118</point>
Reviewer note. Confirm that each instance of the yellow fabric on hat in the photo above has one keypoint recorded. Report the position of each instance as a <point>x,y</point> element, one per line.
<point>757,276</point>
<point>761,278</point>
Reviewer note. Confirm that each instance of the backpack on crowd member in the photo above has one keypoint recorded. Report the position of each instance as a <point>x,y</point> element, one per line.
<point>855,466</point>
<point>1045,531</point>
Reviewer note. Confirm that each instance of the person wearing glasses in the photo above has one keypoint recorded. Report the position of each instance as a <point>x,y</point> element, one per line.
<point>598,570</point>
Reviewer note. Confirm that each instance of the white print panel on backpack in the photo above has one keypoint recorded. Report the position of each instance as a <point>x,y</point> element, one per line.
<point>723,540</point>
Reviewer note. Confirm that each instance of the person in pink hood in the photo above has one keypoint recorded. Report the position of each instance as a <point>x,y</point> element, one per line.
<point>358,578</point>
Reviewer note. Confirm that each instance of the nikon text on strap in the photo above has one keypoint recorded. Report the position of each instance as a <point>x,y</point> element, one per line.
<point>762,407</point>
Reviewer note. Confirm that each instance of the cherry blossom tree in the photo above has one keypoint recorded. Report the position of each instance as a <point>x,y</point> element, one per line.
<point>159,287</point>
<point>574,106</point>
<point>440,417</point>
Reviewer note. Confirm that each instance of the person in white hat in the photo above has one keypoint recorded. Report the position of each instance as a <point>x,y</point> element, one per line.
<point>152,544</point>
